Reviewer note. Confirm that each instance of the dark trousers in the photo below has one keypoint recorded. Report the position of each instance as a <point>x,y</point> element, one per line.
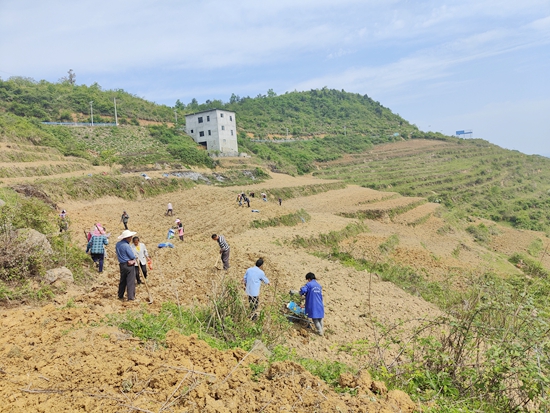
<point>225,259</point>
<point>143,270</point>
<point>125,225</point>
<point>99,258</point>
<point>127,281</point>
<point>253,302</point>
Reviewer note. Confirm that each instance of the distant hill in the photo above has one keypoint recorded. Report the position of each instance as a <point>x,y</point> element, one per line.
<point>64,102</point>
<point>333,133</point>
<point>328,123</point>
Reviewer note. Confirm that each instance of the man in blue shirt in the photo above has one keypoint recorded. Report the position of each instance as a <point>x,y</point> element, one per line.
<point>314,301</point>
<point>126,262</point>
<point>252,281</point>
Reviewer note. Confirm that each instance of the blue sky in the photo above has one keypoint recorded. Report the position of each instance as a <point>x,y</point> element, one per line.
<point>443,65</point>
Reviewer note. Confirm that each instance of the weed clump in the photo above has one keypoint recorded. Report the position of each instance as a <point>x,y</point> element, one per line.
<point>289,220</point>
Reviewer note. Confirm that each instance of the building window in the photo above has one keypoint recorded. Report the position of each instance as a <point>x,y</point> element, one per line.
<point>201,133</point>
<point>221,115</point>
<point>200,119</point>
<point>191,130</point>
<point>209,132</point>
<point>223,127</point>
<point>231,132</point>
<point>231,118</point>
<point>208,118</point>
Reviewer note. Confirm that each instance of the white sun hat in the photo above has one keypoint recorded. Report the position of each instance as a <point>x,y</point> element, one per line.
<point>127,233</point>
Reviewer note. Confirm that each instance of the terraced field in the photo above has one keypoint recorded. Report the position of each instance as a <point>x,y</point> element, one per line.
<point>24,162</point>
<point>473,175</point>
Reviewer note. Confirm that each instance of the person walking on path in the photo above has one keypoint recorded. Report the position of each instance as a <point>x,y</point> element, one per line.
<point>126,261</point>
<point>142,256</point>
<point>124,219</point>
<point>179,227</point>
<point>252,281</point>
<point>280,201</point>
<point>224,249</point>
<point>169,210</point>
<point>247,200</point>
<point>314,307</point>
<point>63,221</point>
<point>96,246</point>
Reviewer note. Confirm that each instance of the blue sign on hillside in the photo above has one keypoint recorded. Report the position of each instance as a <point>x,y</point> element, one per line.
<point>464,132</point>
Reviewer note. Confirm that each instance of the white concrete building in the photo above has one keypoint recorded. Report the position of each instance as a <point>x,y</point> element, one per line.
<point>215,129</point>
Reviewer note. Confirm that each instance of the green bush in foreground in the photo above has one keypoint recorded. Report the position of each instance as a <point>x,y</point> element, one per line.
<point>23,262</point>
<point>490,351</point>
<point>224,322</point>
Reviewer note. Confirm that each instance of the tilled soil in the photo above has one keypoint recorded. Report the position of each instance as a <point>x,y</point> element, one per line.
<point>57,358</point>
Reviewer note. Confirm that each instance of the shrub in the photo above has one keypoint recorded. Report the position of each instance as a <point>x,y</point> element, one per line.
<point>480,232</point>
<point>224,322</point>
<point>289,220</point>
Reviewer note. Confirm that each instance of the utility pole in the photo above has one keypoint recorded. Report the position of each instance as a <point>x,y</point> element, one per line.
<point>176,114</point>
<point>345,132</point>
<point>92,112</point>
<point>116,119</point>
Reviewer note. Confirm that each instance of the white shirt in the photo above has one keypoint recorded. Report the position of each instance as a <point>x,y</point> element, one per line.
<point>141,254</point>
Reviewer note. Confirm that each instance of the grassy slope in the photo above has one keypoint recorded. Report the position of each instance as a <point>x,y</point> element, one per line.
<point>473,175</point>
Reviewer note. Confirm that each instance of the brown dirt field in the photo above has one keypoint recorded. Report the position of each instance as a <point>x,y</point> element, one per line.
<point>55,359</point>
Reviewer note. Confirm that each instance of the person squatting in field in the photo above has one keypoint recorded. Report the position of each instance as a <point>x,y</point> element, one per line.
<point>314,307</point>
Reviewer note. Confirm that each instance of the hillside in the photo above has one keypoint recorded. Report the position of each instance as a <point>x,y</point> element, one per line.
<point>467,176</point>
<point>66,102</point>
<point>328,123</point>
<point>385,279</point>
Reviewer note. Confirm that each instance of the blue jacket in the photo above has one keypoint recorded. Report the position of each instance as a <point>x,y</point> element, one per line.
<point>314,299</point>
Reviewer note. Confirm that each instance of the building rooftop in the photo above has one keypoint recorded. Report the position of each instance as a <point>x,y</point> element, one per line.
<point>209,110</point>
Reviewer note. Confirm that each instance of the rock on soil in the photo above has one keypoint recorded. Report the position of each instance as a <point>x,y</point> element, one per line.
<point>59,276</point>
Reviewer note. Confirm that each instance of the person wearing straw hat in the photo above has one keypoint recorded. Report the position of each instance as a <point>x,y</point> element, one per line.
<point>126,262</point>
